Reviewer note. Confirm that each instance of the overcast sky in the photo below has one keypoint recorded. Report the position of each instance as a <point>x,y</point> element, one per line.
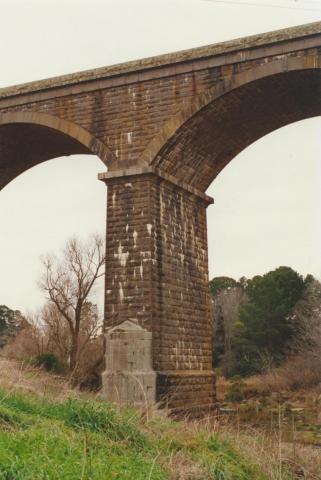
<point>267,200</point>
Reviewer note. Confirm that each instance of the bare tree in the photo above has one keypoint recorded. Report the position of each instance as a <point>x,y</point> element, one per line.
<point>68,282</point>
<point>226,309</point>
<point>57,332</point>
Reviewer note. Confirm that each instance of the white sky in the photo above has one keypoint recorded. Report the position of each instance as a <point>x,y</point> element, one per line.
<point>267,210</point>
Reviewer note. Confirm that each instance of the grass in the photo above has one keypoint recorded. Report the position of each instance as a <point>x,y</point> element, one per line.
<point>48,431</point>
<point>90,439</point>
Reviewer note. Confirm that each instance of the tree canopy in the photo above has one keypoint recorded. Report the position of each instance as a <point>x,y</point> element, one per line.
<point>220,283</point>
<point>10,322</point>
<point>264,326</point>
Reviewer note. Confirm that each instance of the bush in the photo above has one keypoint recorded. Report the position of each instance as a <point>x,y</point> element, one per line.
<point>49,362</point>
<point>236,390</point>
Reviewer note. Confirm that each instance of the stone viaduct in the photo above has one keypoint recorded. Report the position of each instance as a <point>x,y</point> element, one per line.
<point>164,127</point>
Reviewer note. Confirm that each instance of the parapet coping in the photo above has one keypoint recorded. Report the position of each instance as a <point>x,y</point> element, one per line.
<point>222,48</point>
<point>129,172</point>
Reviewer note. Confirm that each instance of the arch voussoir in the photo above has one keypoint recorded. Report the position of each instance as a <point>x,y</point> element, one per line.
<point>66,127</point>
<point>173,130</point>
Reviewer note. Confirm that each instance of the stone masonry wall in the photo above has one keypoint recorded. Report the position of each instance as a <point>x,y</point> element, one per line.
<point>157,276</point>
<point>129,248</point>
<point>182,279</point>
<point>126,117</point>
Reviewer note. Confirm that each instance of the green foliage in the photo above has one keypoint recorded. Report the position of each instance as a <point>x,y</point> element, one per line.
<point>265,321</point>
<point>220,283</point>
<point>235,392</point>
<point>78,439</point>
<point>10,318</point>
<point>6,318</point>
<point>49,362</point>
<point>264,327</point>
<point>225,463</point>
<point>10,418</point>
<point>219,344</point>
<point>10,323</point>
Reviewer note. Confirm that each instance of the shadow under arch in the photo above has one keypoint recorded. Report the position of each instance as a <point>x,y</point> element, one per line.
<point>30,138</point>
<point>197,143</point>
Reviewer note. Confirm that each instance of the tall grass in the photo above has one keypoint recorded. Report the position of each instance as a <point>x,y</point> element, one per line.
<point>74,439</point>
<point>78,439</point>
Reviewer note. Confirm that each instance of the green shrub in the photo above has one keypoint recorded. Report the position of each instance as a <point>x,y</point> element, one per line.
<point>235,392</point>
<point>49,362</point>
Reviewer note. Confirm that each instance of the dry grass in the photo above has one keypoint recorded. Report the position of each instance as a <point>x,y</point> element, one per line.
<point>18,376</point>
<point>294,377</point>
<point>271,449</point>
<point>296,374</point>
<point>277,459</point>
<point>183,468</point>
<point>304,461</point>
<point>272,454</point>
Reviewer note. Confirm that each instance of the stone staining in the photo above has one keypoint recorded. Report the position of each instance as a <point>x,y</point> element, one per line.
<point>169,250</point>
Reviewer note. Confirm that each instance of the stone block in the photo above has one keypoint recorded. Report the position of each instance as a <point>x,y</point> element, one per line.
<point>129,378</point>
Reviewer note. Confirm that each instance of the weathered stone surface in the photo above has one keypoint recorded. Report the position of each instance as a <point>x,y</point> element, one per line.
<point>129,378</point>
<point>133,113</point>
<point>158,274</point>
<point>237,45</point>
<point>164,127</point>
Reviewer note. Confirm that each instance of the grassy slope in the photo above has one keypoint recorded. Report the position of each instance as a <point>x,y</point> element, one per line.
<point>89,439</point>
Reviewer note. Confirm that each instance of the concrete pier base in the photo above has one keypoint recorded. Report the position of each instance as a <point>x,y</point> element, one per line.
<point>129,378</point>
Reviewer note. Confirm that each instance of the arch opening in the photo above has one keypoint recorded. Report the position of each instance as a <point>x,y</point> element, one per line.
<point>29,144</point>
<point>267,206</point>
<point>225,126</point>
<point>28,139</point>
<point>40,210</point>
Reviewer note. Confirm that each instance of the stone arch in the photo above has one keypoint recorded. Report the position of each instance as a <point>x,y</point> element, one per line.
<point>196,144</point>
<point>30,138</point>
